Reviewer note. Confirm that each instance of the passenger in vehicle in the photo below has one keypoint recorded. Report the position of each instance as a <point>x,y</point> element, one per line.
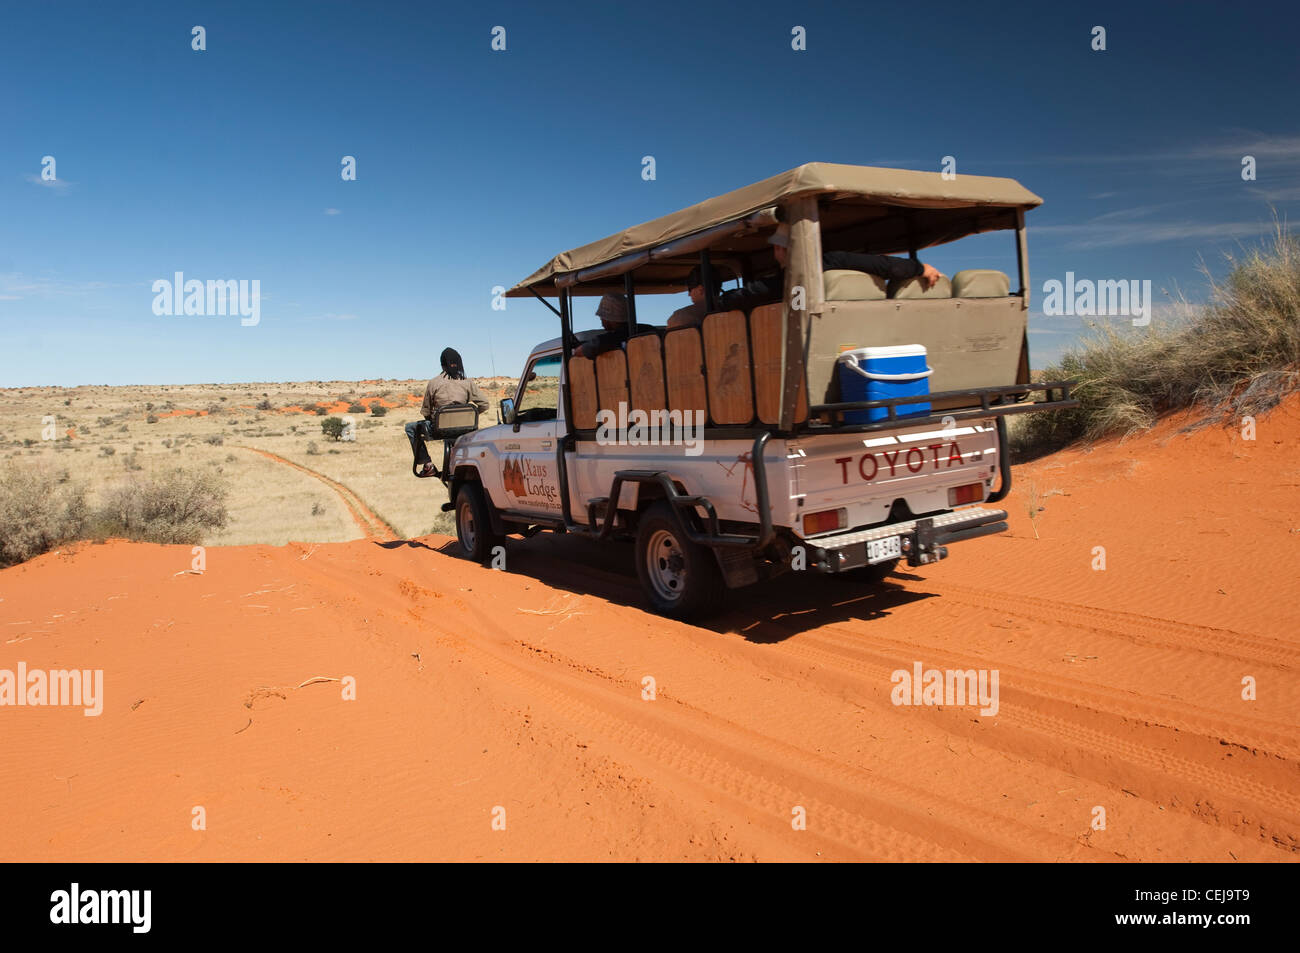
<point>693,314</point>
<point>449,387</point>
<point>770,289</point>
<point>612,312</point>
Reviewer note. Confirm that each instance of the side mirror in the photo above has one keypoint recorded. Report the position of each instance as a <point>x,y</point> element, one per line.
<point>508,410</point>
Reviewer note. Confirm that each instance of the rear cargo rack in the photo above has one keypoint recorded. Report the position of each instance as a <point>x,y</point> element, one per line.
<point>993,402</point>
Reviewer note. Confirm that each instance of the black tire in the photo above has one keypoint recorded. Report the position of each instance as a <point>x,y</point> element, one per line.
<point>474,524</point>
<point>681,579</point>
<point>870,575</point>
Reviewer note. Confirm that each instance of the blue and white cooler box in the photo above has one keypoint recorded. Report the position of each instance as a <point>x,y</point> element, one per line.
<point>880,373</point>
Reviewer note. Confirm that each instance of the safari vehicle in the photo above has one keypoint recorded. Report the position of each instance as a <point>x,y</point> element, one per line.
<point>777,477</point>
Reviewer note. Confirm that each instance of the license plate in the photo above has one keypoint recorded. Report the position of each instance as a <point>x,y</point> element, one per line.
<point>878,550</point>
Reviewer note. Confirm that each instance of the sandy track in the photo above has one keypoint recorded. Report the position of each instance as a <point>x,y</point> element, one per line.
<point>369,522</point>
<point>521,691</point>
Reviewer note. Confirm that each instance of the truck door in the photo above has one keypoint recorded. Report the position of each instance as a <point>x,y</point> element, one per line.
<point>528,470</point>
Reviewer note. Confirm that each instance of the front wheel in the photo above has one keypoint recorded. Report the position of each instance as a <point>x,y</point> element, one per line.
<point>680,578</point>
<point>474,524</point>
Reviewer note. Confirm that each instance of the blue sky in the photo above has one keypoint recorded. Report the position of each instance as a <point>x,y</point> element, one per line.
<point>474,167</point>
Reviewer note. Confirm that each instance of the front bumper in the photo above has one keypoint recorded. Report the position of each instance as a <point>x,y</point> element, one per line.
<point>923,541</point>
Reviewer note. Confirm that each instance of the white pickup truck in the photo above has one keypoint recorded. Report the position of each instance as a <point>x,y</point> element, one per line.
<point>717,464</point>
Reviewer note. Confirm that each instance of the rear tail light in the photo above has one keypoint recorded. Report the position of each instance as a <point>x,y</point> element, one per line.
<point>970,493</point>
<point>825,521</point>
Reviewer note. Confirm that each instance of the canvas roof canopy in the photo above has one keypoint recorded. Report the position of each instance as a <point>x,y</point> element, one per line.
<point>883,211</point>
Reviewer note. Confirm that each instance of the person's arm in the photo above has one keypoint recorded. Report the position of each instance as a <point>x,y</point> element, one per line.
<point>759,291</point>
<point>426,408</point>
<point>605,341</point>
<point>884,266</point>
<point>476,397</point>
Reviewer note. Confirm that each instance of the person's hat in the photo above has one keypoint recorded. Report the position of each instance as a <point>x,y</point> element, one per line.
<point>451,362</point>
<point>612,307</point>
<point>780,237</point>
<point>721,273</point>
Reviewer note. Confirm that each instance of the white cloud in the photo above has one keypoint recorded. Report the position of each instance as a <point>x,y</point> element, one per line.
<point>1111,234</point>
<point>332,211</point>
<point>55,185</point>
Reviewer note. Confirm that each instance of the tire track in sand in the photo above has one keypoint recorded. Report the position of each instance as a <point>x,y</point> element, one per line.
<point>369,522</point>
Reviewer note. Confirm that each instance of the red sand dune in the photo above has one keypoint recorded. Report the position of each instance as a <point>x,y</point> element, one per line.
<point>480,692</point>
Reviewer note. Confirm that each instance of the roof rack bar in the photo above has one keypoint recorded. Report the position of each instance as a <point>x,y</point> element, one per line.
<point>538,296</point>
<point>688,244</point>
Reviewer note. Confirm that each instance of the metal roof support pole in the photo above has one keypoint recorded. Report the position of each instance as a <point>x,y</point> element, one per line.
<point>629,289</point>
<point>706,276</point>
<point>803,288</point>
<point>562,438</point>
<point>1022,256</point>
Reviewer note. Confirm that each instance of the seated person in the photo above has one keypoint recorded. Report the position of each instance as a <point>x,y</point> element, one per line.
<point>770,289</point>
<point>693,314</point>
<point>449,387</point>
<point>612,312</point>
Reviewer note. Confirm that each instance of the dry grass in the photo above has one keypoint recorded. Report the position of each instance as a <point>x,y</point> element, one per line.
<point>1237,355</point>
<point>103,435</point>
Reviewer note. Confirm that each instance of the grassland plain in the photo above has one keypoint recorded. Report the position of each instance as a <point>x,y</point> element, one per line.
<point>100,435</point>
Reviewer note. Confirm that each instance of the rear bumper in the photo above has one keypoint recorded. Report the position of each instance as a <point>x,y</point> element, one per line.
<point>922,540</point>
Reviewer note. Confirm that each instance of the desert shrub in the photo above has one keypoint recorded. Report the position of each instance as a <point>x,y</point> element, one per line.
<point>132,461</point>
<point>38,511</point>
<point>1238,354</point>
<point>264,405</point>
<point>317,509</point>
<point>312,449</point>
<point>231,458</point>
<point>377,409</point>
<point>355,408</point>
<point>320,410</point>
<point>332,427</point>
<point>107,451</point>
<point>215,439</point>
<point>176,506</point>
<point>151,419</point>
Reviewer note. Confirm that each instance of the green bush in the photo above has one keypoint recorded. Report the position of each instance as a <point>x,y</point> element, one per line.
<point>176,506</point>
<point>1238,354</point>
<point>332,427</point>
<point>356,408</point>
<point>377,409</point>
<point>38,512</point>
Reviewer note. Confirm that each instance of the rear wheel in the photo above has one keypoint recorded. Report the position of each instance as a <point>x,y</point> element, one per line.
<point>474,524</point>
<point>680,578</point>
